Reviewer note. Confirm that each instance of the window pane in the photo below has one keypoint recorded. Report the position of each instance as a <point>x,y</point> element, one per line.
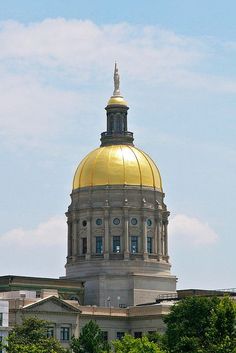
<point>1,319</point>
<point>65,333</point>
<point>134,244</point>
<point>149,245</point>
<point>116,244</point>
<point>99,248</point>
<point>119,335</point>
<point>105,335</point>
<point>50,332</point>
<point>138,334</point>
<point>84,245</point>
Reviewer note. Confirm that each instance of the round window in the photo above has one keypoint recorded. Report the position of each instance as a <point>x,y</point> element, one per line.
<point>116,221</point>
<point>134,221</point>
<point>84,223</point>
<point>98,221</point>
<point>149,222</point>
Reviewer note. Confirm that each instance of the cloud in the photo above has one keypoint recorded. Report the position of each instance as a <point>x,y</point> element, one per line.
<point>69,45</point>
<point>40,251</point>
<point>47,67</point>
<point>191,231</point>
<point>81,51</point>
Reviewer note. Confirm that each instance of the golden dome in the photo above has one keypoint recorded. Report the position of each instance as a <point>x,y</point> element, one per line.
<point>114,100</point>
<point>117,165</point>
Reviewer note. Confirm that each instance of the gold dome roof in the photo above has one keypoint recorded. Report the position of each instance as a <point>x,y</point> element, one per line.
<point>114,100</point>
<point>117,165</point>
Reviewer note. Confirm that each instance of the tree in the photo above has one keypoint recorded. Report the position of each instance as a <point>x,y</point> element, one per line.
<point>129,344</point>
<point>31,337</point>
<point>201,325</point>
<point>157,338</point>
<point>90,340</point>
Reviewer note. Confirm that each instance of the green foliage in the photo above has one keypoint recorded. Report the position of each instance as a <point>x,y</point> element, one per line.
<point>90,340</point>
<point>201,325</point>
<point>129,344</point>
<point>157,338</point>
<point>30,337</point>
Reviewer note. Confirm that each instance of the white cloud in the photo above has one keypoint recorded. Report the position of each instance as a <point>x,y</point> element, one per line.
<point>191,231</point>
<point>40,251</point>
<point>84,46</point>
<point>46,68</point>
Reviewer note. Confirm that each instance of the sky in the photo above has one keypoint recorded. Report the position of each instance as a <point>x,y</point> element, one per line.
<point>177,66</point>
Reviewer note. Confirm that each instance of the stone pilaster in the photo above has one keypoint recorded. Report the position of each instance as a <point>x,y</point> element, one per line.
<point>126,234</point>
<point>69,240</point>
<point>145,252</point>
<point>155,238</point>
<point>89,238</point>
<point>165,237</point>
<point>159,237</point>
<point>106,234</point>
<point>74,239</point>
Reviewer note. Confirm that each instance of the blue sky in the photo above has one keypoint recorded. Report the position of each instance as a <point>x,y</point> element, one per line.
<point>177,65</point>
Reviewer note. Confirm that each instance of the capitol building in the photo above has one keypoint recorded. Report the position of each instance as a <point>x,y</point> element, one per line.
<point>117,220</point>
<point>118,269</point>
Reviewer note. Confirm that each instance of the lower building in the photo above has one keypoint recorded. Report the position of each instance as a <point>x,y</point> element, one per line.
<point>4,321</point>
<point>66,317</point>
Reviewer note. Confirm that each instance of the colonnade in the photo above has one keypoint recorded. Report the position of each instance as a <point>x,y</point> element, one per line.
<point>158,233</point>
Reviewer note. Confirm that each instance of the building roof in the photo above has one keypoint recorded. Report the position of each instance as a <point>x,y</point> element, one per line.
<point>12,282</point>
<point>117,165</point>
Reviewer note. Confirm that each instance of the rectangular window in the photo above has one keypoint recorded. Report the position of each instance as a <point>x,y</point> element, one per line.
<point>105,335</point>
<point>119,335</point>
<point>65,334</point>
<point>84,245</point>
<point>138,334</point>
<point>116,244</point>
<point>134,244</point>
<point>1,319</point>
<point>50,332</point>
<point>149,245</point>
<point>99,248</point>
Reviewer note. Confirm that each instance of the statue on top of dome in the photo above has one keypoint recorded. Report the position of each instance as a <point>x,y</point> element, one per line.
<point>116,81</point>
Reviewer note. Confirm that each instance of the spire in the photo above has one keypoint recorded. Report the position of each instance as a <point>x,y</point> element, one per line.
<point>117,132</point>
<point>116,81</point>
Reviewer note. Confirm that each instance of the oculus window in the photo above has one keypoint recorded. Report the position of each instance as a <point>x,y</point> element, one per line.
<point>98,221</point>
<point>134,221</point>
<point>116,221</point>
<point>149,222</point>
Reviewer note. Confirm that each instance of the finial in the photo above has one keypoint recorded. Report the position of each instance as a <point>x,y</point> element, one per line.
<point>116,81</point>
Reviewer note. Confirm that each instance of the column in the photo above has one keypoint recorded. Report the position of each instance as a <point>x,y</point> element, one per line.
<point>166,239</point>
<point>69,240</point>
<point>89,235</point>
<point>106,236</point>
<point>74,238</point>
<point>145,253</point>
<point>77,326</point>
<point>126,234</point>
<point>155,239</point>
<point>159,237</point>
<point>58,331</point>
